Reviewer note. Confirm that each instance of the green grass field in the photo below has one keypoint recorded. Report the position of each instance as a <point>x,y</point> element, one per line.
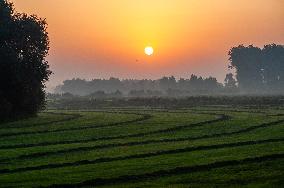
<point>194,147</point>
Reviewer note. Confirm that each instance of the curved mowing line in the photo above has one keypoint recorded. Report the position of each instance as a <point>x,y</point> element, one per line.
<point>140,156</point>
<point>87,148</point>
<point>76,116</point>
<point>170,172</point>
<point>143,118</point>
<point>73,117</point>
<point>221,118</point>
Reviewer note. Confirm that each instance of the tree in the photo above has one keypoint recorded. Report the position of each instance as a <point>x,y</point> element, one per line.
<point>230,81</point>
<point>273,67</point>
<point>24,45</point>
<point>259,70</point>
<point>166,83</point>
<point>247,62</point>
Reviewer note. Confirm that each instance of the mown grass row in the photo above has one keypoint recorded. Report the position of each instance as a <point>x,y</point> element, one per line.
<point>174,171</point>
<point>255,174</point>
<point>44,119</point>
<point>101,119</point>
<point>142,117</point>
<point>160,139</point>
<point>167,140</point>
<point>172,146</point>
<point>183,127</point>
<point>150,165</point>
<point>139,156</point>
<point>141,127</point>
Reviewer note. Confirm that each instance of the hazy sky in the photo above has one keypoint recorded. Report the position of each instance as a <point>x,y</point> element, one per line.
<point>103,38</point>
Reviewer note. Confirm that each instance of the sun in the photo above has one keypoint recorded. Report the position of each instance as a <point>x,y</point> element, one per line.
<point>149,50</point>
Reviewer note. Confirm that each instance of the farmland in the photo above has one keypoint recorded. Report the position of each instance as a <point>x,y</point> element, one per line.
<point>145,147</point>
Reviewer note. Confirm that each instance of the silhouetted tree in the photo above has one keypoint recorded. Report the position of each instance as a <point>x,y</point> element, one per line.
<point>210,85</point>
<point>259,70</point>
<point>230,82</point>
<point>24,46</point>
<point>166,83</point>
<point>195,83</point>
<point>273,67</point>
<point>75,86</point>
<point>247,62</point>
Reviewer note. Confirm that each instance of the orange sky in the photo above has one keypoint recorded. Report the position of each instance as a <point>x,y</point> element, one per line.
<point>103,38</point>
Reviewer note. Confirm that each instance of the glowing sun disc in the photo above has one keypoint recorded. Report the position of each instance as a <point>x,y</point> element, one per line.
<point>149,50</point>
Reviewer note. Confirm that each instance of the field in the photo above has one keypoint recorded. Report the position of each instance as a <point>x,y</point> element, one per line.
<point>217,146</point>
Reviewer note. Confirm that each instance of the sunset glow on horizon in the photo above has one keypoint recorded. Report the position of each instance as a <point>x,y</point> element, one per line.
<point>100,39</point>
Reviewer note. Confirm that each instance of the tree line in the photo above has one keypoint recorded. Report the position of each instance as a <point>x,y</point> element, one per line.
<point>166,86</point>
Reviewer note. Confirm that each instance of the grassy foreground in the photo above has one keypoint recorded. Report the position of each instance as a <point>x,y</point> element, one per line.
<point>195,147</point>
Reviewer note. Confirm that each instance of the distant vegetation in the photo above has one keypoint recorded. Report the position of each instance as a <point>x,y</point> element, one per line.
<point>166,86</point>
<point>257,72</point>
<point>24,45</point>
